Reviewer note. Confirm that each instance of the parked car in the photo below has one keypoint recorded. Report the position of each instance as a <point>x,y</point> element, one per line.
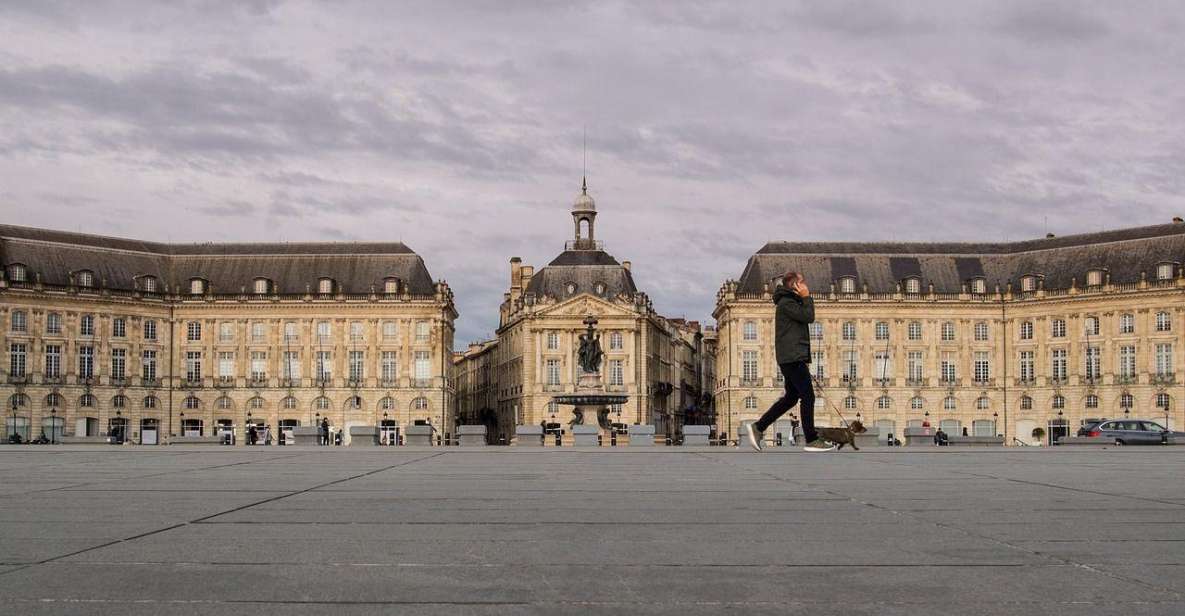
<point>1089,424</point>
<point>1133,432</point>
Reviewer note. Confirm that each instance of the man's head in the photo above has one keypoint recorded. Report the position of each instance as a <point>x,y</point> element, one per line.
<point>790,280</point>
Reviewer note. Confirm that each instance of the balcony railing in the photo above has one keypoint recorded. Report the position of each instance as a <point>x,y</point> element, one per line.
<point>18,379</point>
<point>55,379</point>
<point>920,382</point>
<point>191,383</point>
<point>257,382</point>
<point>147,382</point>
<point>119,381</point>
<point>224,382</point>
<point>1163,379</point>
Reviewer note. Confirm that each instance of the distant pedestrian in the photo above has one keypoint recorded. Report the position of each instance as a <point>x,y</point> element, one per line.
<point>325,431</point>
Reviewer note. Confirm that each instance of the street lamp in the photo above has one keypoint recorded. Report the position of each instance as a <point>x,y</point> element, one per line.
<point>119,424</point>
<point>995,416</point>
<point>53,425</point>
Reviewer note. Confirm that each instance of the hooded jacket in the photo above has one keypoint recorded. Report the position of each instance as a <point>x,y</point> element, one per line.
<point>792,340</point>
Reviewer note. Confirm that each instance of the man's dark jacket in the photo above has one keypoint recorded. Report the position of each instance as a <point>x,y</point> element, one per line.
<point>792,340</point>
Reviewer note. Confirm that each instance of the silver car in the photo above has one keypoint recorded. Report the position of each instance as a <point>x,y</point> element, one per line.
<point>1134,432</point>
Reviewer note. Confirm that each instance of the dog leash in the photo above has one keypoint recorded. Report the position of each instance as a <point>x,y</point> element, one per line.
<point>819,386</point>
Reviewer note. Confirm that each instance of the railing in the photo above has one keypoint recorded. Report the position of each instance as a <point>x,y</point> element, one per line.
<point>224,382</point>
<point>149,382</point>
<point>119,381</point>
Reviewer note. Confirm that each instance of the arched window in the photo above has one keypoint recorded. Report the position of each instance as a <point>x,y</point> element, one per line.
<point>1164,322</point>
<point>884,402</point>
<point>847,284</point>
<point>983,403</point>
<point>749,330</point>
<point>149,284</point>
<point>1059,402</point>
<point>387,404</point>
<point>1092,402</point>
<point>1026,403</point>
<point>150,402</point>
<point>1126,401</point>
<point>354,402</point>
<point>18,401</point>
<point>949,403</point>
<point>420,404</point>
<point>192,403</point>
<point>85,278</point>
<point>54,401</point>
<point>600,288</point>
<point>917,403</point>
<point>262,286</point>
<point>850,402</point>
<point>325,286</point>
<point>1164,402</point>
<point>913,285</point>
<point>119,402</point>
<point>750,403</point>
<point>224,403</point>
<point>321,403</point>
<point>255,403</point>
<point>87,401</point>
<point>570,288</point>
<point>18,273</point>
<point>288,403</point>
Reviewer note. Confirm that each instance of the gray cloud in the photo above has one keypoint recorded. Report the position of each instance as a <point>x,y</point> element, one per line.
<point>712,127</point>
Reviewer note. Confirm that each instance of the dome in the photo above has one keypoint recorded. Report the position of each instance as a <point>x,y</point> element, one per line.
<point>584,201</point>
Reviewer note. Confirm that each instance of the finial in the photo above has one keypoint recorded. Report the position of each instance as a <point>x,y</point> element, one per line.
<point>584,185</point>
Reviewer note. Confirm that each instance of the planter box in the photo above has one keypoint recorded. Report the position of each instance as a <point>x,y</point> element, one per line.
<point>976,441</point>
<point>586,436</point>
<point>919,437</point>
<point>641,435</point>
<point>364,436</point>
<point>418,436</point>
<point>471,436</point>
<point>696,436</point>
<point>196,440</point>
<point>528,436</point>
<point>306,435</point>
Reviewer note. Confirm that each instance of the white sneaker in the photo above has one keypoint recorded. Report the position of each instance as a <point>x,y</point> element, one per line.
<point>754,436</point>
<point>818,445</point>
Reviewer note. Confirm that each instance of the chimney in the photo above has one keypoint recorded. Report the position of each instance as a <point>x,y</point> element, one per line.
<point>516,266</point>
<point>626,265</point>
<point>526,274</point>
<point>1177,220</point>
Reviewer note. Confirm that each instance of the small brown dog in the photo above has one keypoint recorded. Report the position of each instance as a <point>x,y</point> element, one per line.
<point>843,436</point>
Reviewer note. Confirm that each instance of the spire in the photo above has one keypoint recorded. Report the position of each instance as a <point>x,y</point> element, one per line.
<point>584,184</point>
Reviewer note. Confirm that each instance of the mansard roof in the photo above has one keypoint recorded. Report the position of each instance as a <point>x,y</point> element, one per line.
<point>585,269</point>
<point>230,267</point>
<point>1124,253</point>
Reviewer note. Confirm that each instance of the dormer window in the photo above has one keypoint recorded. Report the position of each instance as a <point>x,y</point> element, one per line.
<point>1094,278</point>
<point>325,286</point>
<point>978,286</point>
<point>1028,284</point>
<point>197,286</point>
<point>570,288</point>
<point>913,285</point>
<point>390,285</point>
<point>18,273</point>
<point>847,284</point>
<point>600,288</point>
<point>86,278</point>
<point>1164,271</point>
<point>262,286</point>
<point>148,284</point>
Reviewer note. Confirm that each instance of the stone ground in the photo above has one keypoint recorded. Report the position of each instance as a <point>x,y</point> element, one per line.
<point>169,530</point>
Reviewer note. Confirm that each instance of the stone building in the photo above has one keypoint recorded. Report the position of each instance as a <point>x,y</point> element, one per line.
<point>647,356</point>
<point>994,338</point>
<point>145,341</point>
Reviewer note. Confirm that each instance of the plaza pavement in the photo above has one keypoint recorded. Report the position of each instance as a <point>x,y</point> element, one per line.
<point>171,530</point>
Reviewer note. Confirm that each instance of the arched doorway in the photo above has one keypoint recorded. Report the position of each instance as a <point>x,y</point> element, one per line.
<point>149,431</point>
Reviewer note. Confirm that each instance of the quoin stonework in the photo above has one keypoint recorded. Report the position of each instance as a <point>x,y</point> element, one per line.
<point>992,338</point>
<point>147,342</point>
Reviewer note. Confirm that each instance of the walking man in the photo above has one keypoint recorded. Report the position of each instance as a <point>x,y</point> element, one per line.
<point>792,344</point>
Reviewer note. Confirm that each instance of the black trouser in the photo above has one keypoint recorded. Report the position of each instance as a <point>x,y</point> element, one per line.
<point>797,376</point>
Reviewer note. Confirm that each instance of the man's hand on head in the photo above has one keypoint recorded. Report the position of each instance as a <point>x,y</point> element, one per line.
<point>801,289</point>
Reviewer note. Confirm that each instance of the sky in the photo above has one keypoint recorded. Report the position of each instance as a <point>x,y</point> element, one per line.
<point>705,129</point>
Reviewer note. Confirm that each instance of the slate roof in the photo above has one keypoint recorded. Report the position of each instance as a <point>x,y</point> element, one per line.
<point>230,267</point>
<point>584,268</point>
<point>1125,253</point>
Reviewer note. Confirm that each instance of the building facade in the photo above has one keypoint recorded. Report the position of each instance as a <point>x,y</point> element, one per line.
<point>991,338</point>
<point>144,342</point>
<point>657,362</point>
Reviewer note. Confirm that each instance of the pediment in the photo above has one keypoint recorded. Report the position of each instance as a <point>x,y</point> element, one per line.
<point>586,304</point>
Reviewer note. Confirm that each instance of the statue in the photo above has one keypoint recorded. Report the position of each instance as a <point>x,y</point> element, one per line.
<point>590,353</point>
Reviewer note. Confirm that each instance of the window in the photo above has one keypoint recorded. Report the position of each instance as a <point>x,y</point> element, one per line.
<point>288,403</point>
<point>387,365</point>
<point>324,365</point>
<point>17,359</point>
<point>420,404</point>
<point>1093,363</point>
<point>851,362</point>
<point>616,372</point>
<point>818,366</point>
<point>53,361</point>
<point>815,330</point>
<point>1026,330</point>
<point>17,273</point>
<point>148,284</point>
<point>1163,401</point>
<point>290,332</point>
<point>1027,367</point>
<point>1127,323</point>
<point>982,367</point>
<point>1094,278</point>
<point>119,401</point>
<point>422,366</point>
<point>749,331</point>
<point>321,403</point>
<point>262,286</point>
<point>390,285</point>
<point>292,365</point>
<point>389,329</point>
<point>1092,402</point>
<point>749,366</point>
<point>325,286</point>
<point>193,331</point>
<point>226,365</point>
<point>1164,271</point>
<point>53,323</point>
<point>54,401</point>
<point>258,331</point>
<point>86,325</point>
<point>948,331</point>
<point>915,330</point>
<point>387,404</point>
<point>1164,322</point>
<point>197,286</point>
<point>1127,362</point>
<point>978,286</point>
<point>849,330</point>
<point>1026,403</point>
<point>884,403</point>
<point>616,341</point>
<point>553,372</point>
<point>1028,284</point>
<point>983,403</point>
<point>149,329</point>
<point>599,288</point>
<point>193,366</point>
<point>913,286</point>
<point>192,403</point>
<point>1058,402</point>
<point>354,402</point>
<point>1058,365</point>
<point>750,403</point>
<point>1126,401</point>
<point>883,366</point>
<point>422,331</point>
<point>917,403</point>
<point>981,331</point>
<point>119,358</point>
<point>148,365</point>
<point>1090,326</point>
<point>947,368</point>
<point>553,341</point>
<point>86,279</point>
<point>255,403</point>
<point>949,403</point>
<point>1058,328</point>
<point>850,402</point>
<point>86,401</point>
<point>224,403</point>
<point>1164,359</point>
<point>357,361</point>
<point>86,362</point>
<point>847,284</point>
<point>356,330</point>
<point>324,331</point>
<point>882,330</point>
<point>258,365</point>
<point>916,362</point>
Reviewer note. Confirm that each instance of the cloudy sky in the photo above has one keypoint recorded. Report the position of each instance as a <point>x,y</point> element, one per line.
<point>711,129</point>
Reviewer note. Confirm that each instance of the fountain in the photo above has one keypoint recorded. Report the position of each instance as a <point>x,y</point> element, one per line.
<point>590,402</point>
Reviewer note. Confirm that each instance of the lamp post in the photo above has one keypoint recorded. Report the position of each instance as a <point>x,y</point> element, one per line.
<point>995,418</point>
<point>383,429</point>
<point>247,428</point>
<point>13,399</point>
<point>118,417</point>
<point>182,416</point>
<point>321,438</point>
<point>1059,425</point>
<point>53,425</point>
